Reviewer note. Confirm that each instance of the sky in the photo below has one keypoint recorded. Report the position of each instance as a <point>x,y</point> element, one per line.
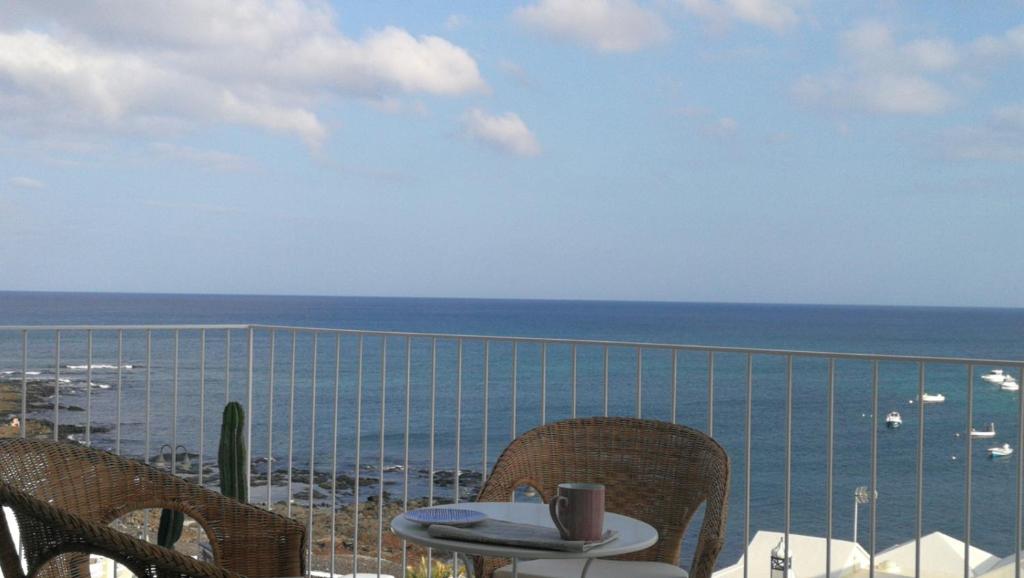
<point>775,151</point>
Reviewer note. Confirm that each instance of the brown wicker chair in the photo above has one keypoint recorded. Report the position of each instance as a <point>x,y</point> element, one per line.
<point>653,471</point>
<point>65,495</point>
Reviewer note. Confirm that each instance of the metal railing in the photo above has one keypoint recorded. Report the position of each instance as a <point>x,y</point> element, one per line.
<point>398,409</point>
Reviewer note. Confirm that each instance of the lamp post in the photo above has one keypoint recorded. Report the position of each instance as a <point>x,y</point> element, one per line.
<point>860,496</point>
<point>161,462</point>
<point>782,565</point>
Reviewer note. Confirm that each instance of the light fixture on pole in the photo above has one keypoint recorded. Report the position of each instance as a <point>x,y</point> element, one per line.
<point>860,496</point>
<point>161,462</point>
<point>782,565</point>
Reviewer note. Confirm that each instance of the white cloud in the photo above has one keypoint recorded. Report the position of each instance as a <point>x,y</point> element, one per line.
<point>455,22</point>
<point>604,25</point>
<point>1001,138</point>
<point>725,126</point>
<point>516,72</point>
<point>506,132</point>
<point>25,183</point>
<point>165,67</point>
<point>212,159</point>
<point>776,15</point>
<point>880,75</point>
<point>1008,44</point>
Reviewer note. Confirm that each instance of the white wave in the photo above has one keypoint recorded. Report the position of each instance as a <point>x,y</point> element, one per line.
<point>32,372</point>
<point>99,385</point>
<point>99,366</point>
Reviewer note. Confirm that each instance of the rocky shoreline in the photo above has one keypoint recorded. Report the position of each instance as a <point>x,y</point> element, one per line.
<point>345,515</point>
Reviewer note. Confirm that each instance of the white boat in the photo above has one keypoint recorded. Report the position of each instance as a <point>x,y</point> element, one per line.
<point>1009,384</point>
<point>1000,451</point>
<point>994,376</point>
<point>894,419</point>
<point>989,433</point>
<point>933,398</point>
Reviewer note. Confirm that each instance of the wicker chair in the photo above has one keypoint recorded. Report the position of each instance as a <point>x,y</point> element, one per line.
<point>64,496</point>
<point>653,471</point>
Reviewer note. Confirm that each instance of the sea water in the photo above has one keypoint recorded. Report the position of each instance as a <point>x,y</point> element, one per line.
<point>961,332</point>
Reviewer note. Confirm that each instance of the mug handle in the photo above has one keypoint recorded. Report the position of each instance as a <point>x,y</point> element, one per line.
<point>554,505</point>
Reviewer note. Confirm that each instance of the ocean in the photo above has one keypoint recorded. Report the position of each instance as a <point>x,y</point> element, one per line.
<point>918,331</point>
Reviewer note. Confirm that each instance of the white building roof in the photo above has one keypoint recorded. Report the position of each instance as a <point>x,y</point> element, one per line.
<point>808,554</point>
<point>942,556</point>
<point>1003,568</point>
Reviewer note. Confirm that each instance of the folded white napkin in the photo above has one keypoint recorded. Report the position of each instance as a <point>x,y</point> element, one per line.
<point>518,535</point>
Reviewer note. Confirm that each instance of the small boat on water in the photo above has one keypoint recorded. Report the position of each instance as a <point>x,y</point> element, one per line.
<point>933,398</point>
<point>1000,451</point>
<point>989,433</point>
<point>894,419</point>
<point>994,376</point>
<point>1009,384</point>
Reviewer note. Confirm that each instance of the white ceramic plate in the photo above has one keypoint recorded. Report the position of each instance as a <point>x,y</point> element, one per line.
<point>445,516</point>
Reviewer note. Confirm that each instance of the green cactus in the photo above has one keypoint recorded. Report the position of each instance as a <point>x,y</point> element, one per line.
<point>171,522</point>
<point>232,457</point>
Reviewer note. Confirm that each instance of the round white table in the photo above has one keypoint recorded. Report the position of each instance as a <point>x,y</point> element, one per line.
<point>633,535</point>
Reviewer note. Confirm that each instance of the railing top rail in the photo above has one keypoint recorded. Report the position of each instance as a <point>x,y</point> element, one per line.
<point>655,345</point>
<point>539,340</point>
<point>185,327</point>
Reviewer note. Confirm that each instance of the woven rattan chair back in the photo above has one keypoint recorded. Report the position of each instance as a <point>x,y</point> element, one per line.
<point>83,486</point>
<point>653,471</point>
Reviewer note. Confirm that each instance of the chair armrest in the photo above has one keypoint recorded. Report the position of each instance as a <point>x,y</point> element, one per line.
<point>250,540</point>
<point>48,532</point>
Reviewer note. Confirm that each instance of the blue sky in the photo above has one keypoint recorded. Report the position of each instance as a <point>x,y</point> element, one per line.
<point>685,150</point>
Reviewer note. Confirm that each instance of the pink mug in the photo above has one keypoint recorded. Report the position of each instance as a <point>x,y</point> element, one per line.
<point>578,511</point>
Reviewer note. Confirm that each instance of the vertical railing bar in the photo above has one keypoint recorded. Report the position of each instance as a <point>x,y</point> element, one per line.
<point>487,388</point>
<point>605,381</point>
<point>711,400</point>
<point>919,529</point>
<point>544,383</point>
<point>358,449</point>
<point>88,389</point>
<point>405,459</point>
<point>202,407</point>
<point>829,463</point>
<point>1018,531</point>
<point>380,465</point>
<point>746,466</point>
<point>458,442</point>
<point>24,386</point>
<point>573,381</point>
<point>56,388</point>
<point>174,407</point>
<point>967,475</point>
<point>789,442</point>
<point>120,382</point>
<point>248,407</point>
<point>639,381</point>
<point>458,427</point>
<point>433,419</point>
<point>291,425</point>
<point>515,385</point>
<point>270,421</point>
<point>334,448</point>
<point>149,383</point>
<point>312,450</point>
<point>874,464</point>
<point>227,366</point>
<point>675,382</point>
